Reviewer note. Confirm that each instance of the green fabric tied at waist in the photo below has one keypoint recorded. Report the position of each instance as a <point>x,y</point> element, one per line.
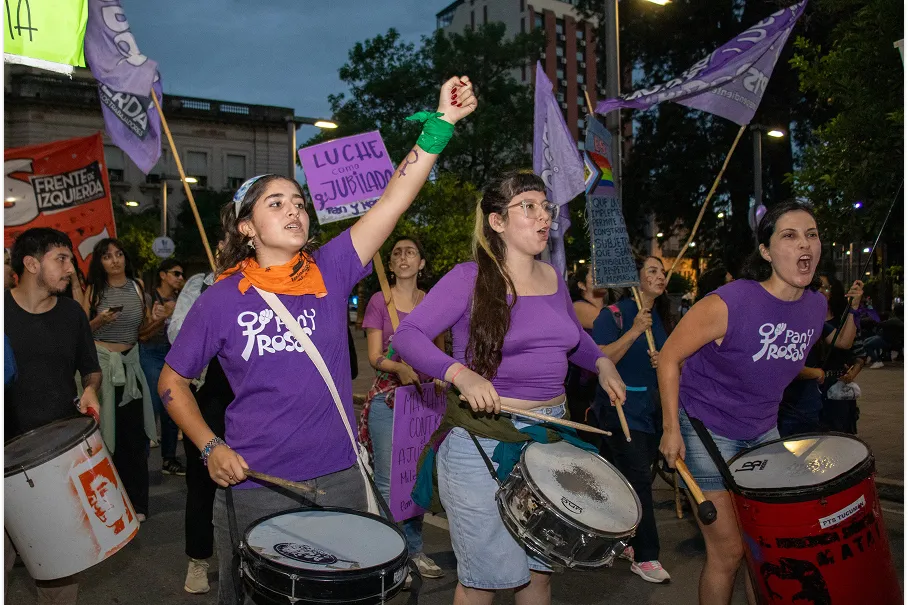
<point>118,370</point>
<point>507,452</point>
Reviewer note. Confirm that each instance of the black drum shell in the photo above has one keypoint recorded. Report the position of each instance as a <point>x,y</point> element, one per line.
<point>270,583</point>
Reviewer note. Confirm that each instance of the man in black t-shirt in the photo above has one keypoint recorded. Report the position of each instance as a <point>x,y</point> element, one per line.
<point>51,340</point>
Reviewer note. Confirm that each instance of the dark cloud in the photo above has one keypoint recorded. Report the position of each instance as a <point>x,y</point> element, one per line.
<point>270,52</point>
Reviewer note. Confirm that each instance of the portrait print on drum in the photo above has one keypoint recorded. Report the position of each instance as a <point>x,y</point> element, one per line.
<point>107,509</point>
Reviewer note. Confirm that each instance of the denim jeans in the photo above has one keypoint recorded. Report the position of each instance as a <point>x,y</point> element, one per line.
<point>874,347</point>
<point>381,425</point>
<point>151,356</point>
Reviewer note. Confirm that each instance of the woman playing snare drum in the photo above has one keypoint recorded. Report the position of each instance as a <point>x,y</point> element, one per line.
<point>740,347</point>
<point>514,330</point>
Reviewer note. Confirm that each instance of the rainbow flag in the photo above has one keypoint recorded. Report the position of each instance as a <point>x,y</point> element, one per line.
<point>605,168</point>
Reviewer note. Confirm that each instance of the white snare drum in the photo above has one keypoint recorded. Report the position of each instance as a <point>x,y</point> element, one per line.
<point>323,555</point>
<point>569,506</point>
<point>64,507</point>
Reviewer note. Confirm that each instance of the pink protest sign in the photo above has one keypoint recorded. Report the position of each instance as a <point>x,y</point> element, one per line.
<point>415,419</point>
<point>346,176</point>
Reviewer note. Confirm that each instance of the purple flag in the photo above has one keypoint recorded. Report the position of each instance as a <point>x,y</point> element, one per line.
<point>125,80</point>
<point>557,160</point>
<point>731,81</point>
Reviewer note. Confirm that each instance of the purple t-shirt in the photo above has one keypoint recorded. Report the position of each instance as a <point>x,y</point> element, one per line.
<point>377,317</point>
<point>735,388</point>
<point>544,334</point>
<point>283,420</point>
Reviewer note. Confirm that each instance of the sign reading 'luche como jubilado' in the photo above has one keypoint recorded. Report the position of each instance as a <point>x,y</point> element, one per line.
<point>346,176</point>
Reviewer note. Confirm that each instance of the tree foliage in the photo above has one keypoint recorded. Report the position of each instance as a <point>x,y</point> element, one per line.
<point>855,148</point>
<point>137,232</point>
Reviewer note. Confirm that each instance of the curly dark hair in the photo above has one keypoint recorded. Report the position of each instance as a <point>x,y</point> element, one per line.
<point>490,313</point>
<point>236,245</point>
<point>755,266</point>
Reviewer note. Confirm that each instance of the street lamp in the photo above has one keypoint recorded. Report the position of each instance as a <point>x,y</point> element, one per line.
<point>720,215</point>
<point>775,133</point>
<point>293,123</point>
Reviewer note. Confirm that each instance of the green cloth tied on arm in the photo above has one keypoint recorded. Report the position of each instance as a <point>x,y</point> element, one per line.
<point>435,132</point>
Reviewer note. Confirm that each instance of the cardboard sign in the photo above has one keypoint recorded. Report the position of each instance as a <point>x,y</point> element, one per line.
<point>415,419</point>
<point>610,248</point>
<point>62,185</point>
<point>346,176</point>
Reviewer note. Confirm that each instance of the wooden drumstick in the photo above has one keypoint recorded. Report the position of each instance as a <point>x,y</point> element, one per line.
<point>624,428</point>
<point>706,510</point>
<point>537,416</point>
<point>283,482</point>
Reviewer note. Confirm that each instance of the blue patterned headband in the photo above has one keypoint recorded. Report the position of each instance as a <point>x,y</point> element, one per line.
<point>241,192</point>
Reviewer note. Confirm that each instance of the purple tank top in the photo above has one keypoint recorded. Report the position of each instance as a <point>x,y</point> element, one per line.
<point>735,388</point>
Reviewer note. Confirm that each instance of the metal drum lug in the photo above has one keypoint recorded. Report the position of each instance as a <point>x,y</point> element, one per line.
<point>27,478</point>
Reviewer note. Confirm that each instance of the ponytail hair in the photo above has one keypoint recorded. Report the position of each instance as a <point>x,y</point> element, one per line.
<point>755,266</point>
<point>490,313</point>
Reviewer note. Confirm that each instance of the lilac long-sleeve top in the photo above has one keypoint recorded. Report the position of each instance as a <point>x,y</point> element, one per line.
<point>543,336</point>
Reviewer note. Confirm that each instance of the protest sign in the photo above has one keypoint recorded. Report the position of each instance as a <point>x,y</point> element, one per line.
<point>346,176</point>
<point>610,248</point>
<point>62,185</point>
<point>415,419</point>
<point>47,31</point>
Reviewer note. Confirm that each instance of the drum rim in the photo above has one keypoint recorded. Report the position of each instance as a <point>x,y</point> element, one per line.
<point>304,573</point>
<point>781,495</point>
<point>538,491</point>
<point>27,465</point>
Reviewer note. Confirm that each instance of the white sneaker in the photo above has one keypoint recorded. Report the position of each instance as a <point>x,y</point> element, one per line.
<point>628,554</point>
<point>876,365</point>
<point>197,577</point>
<point>427,566</point>
<point>651,571</point>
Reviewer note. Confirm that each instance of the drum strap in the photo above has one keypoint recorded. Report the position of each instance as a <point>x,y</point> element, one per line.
<point>714,453</point>
<point>485,458</point>
<point>234,548</point>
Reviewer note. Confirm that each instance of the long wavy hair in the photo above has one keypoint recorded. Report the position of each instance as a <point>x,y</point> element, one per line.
<point>97,276</point>
<point>490,313</point>
<point>236,246</point>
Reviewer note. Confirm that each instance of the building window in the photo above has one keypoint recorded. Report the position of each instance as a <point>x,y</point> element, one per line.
<point>236,171</point>
<point>580,56</point>
<point>580,100</point>
<point>485,15</point>
<point>579,32</point>
<point>559,26</point>
<point>523,5</point>
<point>197,166</point>
<point>580,78</point>
<point>116,165</point>
<point>560,96</point>
<point>559,51</point>
<point>445,20</point>
<point>523,25</point>
<point>158,173</point>
<point>581,124</point>
<point>580,145</point>
<point>539,23</point>
<point>559,73</point>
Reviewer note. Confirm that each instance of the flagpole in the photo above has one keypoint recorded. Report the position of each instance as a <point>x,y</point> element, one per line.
<point>176,156</point>
<point>706,203</point>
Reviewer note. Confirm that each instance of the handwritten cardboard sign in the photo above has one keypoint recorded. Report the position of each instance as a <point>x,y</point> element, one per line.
<point>612,258</point>
<point>415,419</point>
<point>346,176</point>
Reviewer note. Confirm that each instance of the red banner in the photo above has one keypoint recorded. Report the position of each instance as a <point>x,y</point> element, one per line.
<point>62,185</point>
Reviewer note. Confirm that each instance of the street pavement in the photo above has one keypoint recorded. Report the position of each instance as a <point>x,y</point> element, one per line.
<point>151,569</point>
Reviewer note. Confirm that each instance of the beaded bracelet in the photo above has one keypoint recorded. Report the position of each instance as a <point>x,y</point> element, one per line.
<point>209,447</point>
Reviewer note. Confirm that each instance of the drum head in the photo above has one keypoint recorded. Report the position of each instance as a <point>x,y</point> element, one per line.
<point>36,447</point>
<point>325,540</point>
<point>582,485</point>
<point>800,462</point>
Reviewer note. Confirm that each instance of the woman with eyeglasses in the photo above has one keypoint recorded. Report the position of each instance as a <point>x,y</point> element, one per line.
<point>283,421</point>
<point>153,349</point>
<point>115,303</point>
<point>514,330</point>
<point>406,267</point>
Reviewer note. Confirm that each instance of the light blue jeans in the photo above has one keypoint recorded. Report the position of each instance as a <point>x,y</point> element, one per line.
<point>488,556</point>
<point>381,425</point>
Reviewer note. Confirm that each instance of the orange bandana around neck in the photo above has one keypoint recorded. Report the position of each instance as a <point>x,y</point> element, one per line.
<point>297,277</point>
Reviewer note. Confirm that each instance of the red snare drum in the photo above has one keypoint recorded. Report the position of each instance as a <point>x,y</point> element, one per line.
<point>812,524</point>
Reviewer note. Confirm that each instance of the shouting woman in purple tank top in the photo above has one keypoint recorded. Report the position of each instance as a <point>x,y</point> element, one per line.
<point>740,347</point>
